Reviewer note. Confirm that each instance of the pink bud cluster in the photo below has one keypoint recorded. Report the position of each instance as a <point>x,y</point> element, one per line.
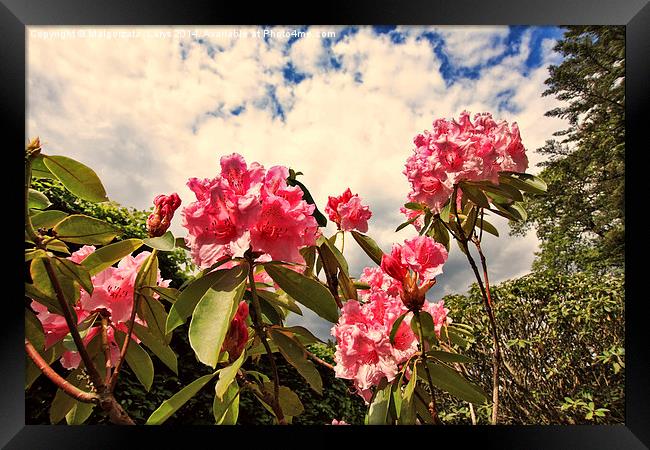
<point>364,353</point>
<point>348,212</point>
<point>247,207</point>
<point>455,151</point>
<point>112,295</point>
<point>159,221</point>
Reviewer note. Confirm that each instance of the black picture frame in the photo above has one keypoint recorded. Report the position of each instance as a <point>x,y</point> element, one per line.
<point>16,15</point>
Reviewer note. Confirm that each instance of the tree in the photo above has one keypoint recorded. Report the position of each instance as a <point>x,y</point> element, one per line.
<point>581,220</point>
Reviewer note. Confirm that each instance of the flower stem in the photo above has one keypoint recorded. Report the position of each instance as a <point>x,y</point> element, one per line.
<point>422,358</point>
<point>261,332</point>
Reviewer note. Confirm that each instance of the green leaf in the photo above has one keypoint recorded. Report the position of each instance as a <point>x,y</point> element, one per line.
<point>138,360</point>
<point>80,229</point>
<point>304,335</point>
<point>169,294</point>
<point>445,211</point>
<point>34,331</point>
<point>378,410</point>
<point>524,182</point>
<point>158,347</point>
<point>166,242</point>
<point>307,291</point>
<point>440,233</point>
<point>449,357</point>
<point>502,191</point>
<point>39,170</point>
<point>487,227</point>
<point>211,319</point>
<point>428,327</point>
<point>225,279</point>
<point>43,285</point>
<point>74,271</point>
<point>47,219</point>
<point>475,195</point>
<point>227,375</point>
<point>414,206</point>
<point>56,245</point>
<point>452,382</point>
<point>37,200</point>
<point>79,413</point>
<point>294,353</point>
<point>62,402</point>
<point>470,221</point>
<point>407,410</point>
<point>51,303</point>
<point>369,246</point>
<point>406,224</point>
<point>280,299</point>
<point>79,179</point>
<point>289,400</point>
<point>226,409</point>
<point>395,327</point>
<point>512,212</point>
<point>106,256</point>
<point>173,404</point>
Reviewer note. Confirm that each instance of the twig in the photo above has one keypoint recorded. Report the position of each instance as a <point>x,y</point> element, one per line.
<point>70,389</point>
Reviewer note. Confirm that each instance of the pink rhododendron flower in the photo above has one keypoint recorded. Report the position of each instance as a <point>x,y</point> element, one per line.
<point>339,422</point>
<point>247,207</point>
<point>364,353</point>
<point>347,212</point>
<point>159,221</point>
<point>455,151</point>
<point>112,295</point>
<point>237,334</point>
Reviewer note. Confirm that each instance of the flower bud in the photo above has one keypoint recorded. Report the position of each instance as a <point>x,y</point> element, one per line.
<point>237,335</point>
<point>161,218</point>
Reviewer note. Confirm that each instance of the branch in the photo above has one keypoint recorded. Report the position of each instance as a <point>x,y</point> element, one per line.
<point>318,360</point>
<point>259,329</point>
<point>70,389</point>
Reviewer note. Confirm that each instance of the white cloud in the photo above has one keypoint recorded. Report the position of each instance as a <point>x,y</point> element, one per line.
<point>146,119</point>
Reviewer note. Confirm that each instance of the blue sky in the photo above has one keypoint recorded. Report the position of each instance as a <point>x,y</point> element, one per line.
<point>148,108</point>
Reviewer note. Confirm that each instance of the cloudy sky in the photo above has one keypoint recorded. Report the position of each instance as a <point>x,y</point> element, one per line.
<point>148,108</point>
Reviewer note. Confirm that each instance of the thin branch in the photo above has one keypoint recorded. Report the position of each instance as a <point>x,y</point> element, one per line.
<point>259,329</point>
<point>318,360</point>
<point>70,389</point>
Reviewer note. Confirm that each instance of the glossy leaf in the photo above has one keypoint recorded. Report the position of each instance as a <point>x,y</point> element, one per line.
<point>280,299</point>
<point>226,409</point>
<point>78,178</point>
<point>158,347</point>
<point>369,246</point>
<point>378,410</point>
<point>37,200</point>
<point>74,271</point>
<point>406,224</point>
<point>80,229</point>
<point>173,404</point>
<point>165,243</point>
<point>47,219</point>
<point>34,331</point>
<point>294,353</point>
<point>225,280</point>
<point>227,375</point>
<point>524,181</point>
<point>452,382</point>
<point>138,360</point>
<point>487,227</point>
<point>108,255</point>
<point>475,195</point>
<point>306,291</point>
<point>39,170</point>
<point>211,319</point>
<point>79,413</point>
<point>407,409</point>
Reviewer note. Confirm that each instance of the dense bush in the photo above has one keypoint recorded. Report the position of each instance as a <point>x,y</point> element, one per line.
<point>563,342</point>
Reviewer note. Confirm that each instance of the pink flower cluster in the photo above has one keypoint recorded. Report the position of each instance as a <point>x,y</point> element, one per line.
<point>247,207</point>
<point>112,292</point>
<point>347,212</point>
<point>421,254</point>
<point>159,221</point>
<point>364,352</point>
<point>455,151</point>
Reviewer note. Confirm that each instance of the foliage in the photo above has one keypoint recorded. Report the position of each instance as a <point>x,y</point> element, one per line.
<point>563,344</point>
<point>174,265</point>
<point>581,220</point>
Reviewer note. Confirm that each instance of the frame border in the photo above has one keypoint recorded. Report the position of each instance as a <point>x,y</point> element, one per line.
<point>16,15</point>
